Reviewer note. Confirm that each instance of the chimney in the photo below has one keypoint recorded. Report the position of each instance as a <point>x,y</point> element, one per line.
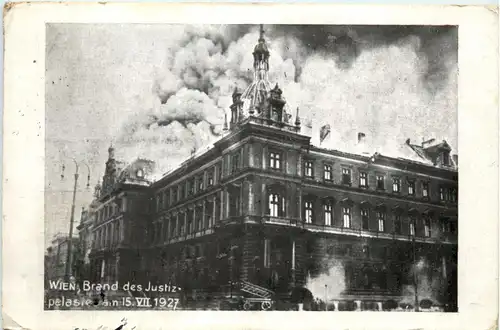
<point>455,159</point>
<point>361,138</point>
<point>361,146</point>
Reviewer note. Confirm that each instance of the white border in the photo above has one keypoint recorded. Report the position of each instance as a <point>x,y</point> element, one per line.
<point>23,181</point>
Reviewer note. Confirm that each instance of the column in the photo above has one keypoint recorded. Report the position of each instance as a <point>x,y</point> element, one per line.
<point>226,203</point>
<point>213,212</point>
<point>250,155</point>
<point>299,164</point>
<point>221,206</point>
<point>204,222</point>
<point>117,267</point>
<point>443,261</point>
<point>194,229</point>
<point>293,263</point>
<point>264,157</point>
<point>263,199</point>
<point>250,198</point>
<point>299,207</point>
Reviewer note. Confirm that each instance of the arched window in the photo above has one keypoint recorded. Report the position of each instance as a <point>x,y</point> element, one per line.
<point>276,201</point>
<point>328,212</point>
<point>308,211</point>
<point>274,204</point>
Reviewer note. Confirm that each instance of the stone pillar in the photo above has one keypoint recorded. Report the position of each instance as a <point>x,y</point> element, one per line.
<point>204,222</point>
<point>443,261</point>
<point>117,267</point>
<point>250,198</point>
<point>221,214</point>
<point>299,206</point>
<point>263,199</point>
<point>293,263</point>
<point>213,212</point>
<point>299,164</point>
<point>195,222</point>
<point>250,155</point>
<point>264,157</point>
<point>226,203</point>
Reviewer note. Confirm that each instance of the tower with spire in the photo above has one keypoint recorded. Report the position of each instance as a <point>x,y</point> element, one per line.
<point>260,100</point>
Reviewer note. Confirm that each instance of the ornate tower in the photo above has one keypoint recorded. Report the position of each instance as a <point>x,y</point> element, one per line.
<point>255,96</point>
<point>261,58</point>
<point>276,104</point>
<point>236,108</point>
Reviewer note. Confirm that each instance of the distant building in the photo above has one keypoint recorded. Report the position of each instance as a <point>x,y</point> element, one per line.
<point>56,257</point>
<point>120,209</point>
<point>266,207</point>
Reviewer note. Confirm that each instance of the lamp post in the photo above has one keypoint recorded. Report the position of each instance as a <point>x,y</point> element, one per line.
<point>72,216</point>
<point>415,279</point>
<point>326,297</point>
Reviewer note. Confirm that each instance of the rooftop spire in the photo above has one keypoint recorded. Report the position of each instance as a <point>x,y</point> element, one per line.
<point>261,38</point>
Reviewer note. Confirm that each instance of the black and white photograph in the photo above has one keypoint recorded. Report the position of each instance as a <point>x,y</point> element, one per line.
<point>251,167</point>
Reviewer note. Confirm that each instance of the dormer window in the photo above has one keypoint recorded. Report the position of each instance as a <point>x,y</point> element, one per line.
<point>140,173</point>
<point>446,158</point>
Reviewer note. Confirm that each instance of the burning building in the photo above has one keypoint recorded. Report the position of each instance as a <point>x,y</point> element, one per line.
<point>266,210</point>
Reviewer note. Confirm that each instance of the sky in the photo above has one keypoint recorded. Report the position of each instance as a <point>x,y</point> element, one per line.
<point>160,91</point>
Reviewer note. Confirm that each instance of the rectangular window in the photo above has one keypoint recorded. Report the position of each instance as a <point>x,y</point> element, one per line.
<point>380,182</point>
<point>220,172</point>
<point>181,227</point>
<point>328,214</point>
<point>235,162</point>
<point>445,225</point>
<point>346,176</point>
<point>346,216</point>
<point>181,192</point>
<point>396,185</point>
<point>308,209</point>
<point>446,158</point>
<point>308,168</point>
<point>454,195</point>
<point>411,188</point>
<point>397,224</point>
<point>190,187</point>
<point>210,177</point>
<point>175,196</point>
<point>200,183</point>
<point>166,199</point>
<point>425,189</point>
<point>412,227</point>
<point>158,203</point>
<point>381,221</point>
<point>275,160</point>
<point>427,227</point>
<point>365,220</point>
<point>363,179</point>
<point>234,204</point>
<point>441,194</point>
<point>328,172</point>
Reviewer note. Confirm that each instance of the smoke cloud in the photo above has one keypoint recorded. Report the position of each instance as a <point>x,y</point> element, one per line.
<point>392,83</point>
<point>328,285</point>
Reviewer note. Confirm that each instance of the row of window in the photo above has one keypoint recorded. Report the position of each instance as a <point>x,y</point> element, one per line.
<point>277,209</point>
<point>448,194</point>
<point>188,188</point>
<point>107,236</point>
<point>106,212</point>
<point>188,222</point>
